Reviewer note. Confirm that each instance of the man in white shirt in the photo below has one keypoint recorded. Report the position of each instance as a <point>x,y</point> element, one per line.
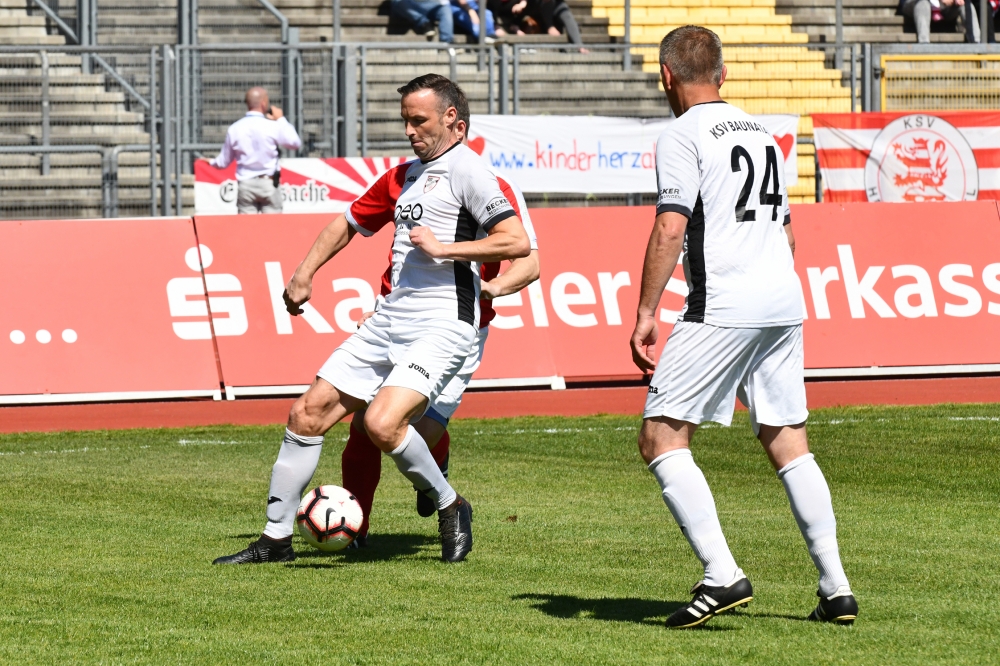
<point>449,216</point>
<point>253,141</point>
<point>722,201</point>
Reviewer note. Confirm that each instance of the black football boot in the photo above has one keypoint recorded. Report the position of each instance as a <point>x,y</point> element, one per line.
<point>260,551</point>
<point>426,507</point>
<point>839,608</point>
<point>711,601</point>
<point>455,526</point>
<point>360,541</point>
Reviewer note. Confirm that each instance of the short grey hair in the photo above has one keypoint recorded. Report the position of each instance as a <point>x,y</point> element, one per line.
<point>693,55</point>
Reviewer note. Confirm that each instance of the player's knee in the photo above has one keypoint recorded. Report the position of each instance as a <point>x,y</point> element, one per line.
<point>382,428</point>
<point>304,421</point>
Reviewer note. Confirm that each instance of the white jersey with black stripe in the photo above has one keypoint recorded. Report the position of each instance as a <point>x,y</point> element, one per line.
<point>725,172</point>
<point>458,199</point>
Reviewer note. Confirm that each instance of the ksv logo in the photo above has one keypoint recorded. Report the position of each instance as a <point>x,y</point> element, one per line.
<point>921,158</point>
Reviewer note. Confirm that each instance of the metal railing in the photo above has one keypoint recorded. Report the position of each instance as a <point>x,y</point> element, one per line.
<point>177,102</point>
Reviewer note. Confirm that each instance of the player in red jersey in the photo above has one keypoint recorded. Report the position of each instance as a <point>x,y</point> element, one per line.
<point>361,463</point>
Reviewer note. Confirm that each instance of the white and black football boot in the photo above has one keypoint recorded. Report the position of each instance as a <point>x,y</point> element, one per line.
<point>839,608</point>
<point>710,601</point>
<point>260,551</point>
<point>455,527</point>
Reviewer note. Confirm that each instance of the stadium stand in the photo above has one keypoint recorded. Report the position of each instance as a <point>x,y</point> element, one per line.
<point>82,111</point>
<point>779,73</point>
<point>865,21</point>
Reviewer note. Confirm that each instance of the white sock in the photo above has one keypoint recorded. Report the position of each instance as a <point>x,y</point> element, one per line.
<point>292,471</point>
<point>415,461</point>
<point>689,499</point>
<point>813,509</point>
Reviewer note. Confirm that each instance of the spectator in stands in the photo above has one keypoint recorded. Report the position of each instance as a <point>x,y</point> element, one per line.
<point>944,12</point>
<point>510,16</point>
<point>465,16</point>
<point>253,142</point>
<point>555,18</point>
<point>421,15</point>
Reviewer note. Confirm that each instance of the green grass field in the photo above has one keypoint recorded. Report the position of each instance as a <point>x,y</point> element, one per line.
<point>108,539</point>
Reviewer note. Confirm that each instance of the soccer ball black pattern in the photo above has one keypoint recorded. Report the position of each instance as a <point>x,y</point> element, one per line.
<point>329,518</point>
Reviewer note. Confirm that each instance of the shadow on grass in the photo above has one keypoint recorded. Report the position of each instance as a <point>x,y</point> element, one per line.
<point>778,616</point>
<point>381,548</point>
<point>638,611</point>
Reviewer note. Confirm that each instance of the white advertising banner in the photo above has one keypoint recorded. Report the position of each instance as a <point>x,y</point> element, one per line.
<point>592,154</point>
<point>581,154</point>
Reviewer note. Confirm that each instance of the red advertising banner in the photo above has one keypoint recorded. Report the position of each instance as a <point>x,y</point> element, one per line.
<point>117,309</point>
<point>250,258</point>
<point>888,285</point>
<point>877,293</point>
<point>87,306</point>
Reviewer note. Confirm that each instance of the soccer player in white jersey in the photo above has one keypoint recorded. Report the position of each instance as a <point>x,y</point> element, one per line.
<point>361,462</point>
<point>722,201</point>
<point>450,216</point>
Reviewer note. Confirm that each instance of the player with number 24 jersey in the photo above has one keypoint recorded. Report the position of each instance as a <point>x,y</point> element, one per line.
<point>720,168</point>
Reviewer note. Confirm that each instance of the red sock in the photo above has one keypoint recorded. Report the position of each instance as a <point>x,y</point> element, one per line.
<point>440,452</point>
<point>361,469</point>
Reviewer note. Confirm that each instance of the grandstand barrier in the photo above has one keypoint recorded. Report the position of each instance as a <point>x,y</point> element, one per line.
<point>109,310</point>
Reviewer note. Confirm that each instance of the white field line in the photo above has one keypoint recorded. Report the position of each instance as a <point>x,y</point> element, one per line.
<point>519,431</point>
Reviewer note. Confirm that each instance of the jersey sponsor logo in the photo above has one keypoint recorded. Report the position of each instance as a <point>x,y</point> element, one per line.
<point>409,212</point>
<point>414,366</point>
<point>652,390</point>
<point>670,193</point>
<point>411,179</point>
<point>497,205</point>
<point>431,183</point>
<point>921,158</point>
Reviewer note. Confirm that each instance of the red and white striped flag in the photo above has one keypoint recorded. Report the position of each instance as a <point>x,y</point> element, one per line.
<point>909,157</point>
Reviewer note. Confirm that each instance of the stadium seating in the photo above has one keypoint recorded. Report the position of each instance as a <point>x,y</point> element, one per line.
<point>787,77</point>
<point>868,21</point>
<point>82,112</point>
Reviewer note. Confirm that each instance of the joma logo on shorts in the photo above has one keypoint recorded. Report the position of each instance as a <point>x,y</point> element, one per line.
<point>414,366</point>
<point>653,390</point>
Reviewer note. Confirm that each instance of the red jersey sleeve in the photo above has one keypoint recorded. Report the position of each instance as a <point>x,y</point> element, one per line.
<point>387,277</point>
<point>376,207</point>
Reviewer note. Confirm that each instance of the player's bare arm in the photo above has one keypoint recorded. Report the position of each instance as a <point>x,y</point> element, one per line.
<point>330,241</point>
<point>791,237</point>
<point>506,240</point>
<point>665,244</point>
<point>519,274</point>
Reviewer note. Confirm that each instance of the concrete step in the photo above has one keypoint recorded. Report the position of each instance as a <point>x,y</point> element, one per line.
<point>40,40</point>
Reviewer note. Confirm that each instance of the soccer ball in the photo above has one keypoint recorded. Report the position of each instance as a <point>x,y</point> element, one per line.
<point>329,518</point>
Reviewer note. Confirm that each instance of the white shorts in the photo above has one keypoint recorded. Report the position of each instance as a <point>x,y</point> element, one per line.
<point>704,368</point>
<point>443,407</point>
<point>419,354</point>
